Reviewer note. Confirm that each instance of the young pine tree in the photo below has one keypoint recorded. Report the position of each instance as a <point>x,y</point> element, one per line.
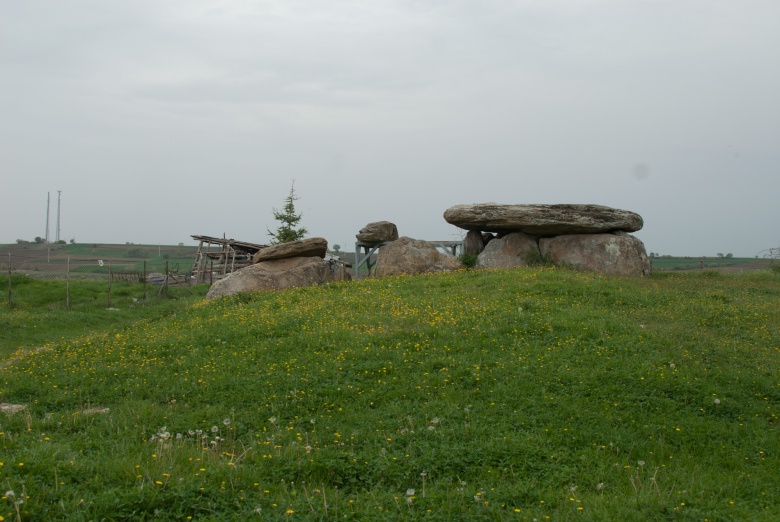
<point>288,220</point>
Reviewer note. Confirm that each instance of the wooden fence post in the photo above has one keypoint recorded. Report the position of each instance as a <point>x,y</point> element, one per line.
<point>10,303</point>
<point>109,283</point>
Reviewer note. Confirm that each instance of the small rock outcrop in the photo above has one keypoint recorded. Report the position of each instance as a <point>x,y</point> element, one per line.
<point>378,232</point>
<point>515,249</point>
<point>413,256</point>
<point>543,220</point>
<point>310,247</point>
<point>279,274</point>
<point>617,253</point>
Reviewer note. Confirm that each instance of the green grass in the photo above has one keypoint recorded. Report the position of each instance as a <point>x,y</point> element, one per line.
<point>39,315</point>
<point>534,393</point>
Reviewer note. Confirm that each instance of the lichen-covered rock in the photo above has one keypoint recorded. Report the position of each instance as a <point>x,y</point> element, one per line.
<point>279,274</point>
<point>543,220</point>
<point>378,232</point>
<point>413,256</point>
<point>310,247</point>
<point>618,253</point>
<point>515,249</point>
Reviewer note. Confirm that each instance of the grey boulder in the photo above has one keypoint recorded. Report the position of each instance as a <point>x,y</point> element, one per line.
<point>617,253</point>
<point>515,249</point>
<point>413,256</point>
<point>279,274</point>
<point>378,232</point>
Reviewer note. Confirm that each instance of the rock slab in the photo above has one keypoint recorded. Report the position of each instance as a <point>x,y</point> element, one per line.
<point>310,247</point>
<point>413,256</point>
<point>279,274</point>
<point>378,232</point>
<point>543,220</point>
<point>618,253</point>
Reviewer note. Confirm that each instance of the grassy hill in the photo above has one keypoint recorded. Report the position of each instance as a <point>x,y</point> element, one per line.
<point>518,395</point>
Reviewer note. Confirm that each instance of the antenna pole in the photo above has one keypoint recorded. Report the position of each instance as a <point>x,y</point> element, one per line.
<point>48,204</point>
<point>59,196</point>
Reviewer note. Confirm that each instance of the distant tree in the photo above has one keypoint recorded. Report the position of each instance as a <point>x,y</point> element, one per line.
<point>61,242</point>
<point>336,248</point>
<point>288,220</point>
<point>22,241</point>
<point>729,255</point>
<point>720,254</point>
<point>39,239</point>
<point>73,241</point>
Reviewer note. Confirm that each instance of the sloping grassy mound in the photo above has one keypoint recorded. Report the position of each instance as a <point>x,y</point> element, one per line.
<point>524,394</point>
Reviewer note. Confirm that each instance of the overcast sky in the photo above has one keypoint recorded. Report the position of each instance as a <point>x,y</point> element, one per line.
<point>161,119</point>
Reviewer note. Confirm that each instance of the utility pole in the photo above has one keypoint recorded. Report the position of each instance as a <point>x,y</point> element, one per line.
<point>48,205</point>
<point>59,196</point>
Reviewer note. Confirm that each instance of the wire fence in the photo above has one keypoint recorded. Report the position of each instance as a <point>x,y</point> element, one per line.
<point>86,280</point>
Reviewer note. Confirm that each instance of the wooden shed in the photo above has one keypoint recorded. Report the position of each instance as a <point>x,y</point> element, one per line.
<point>217,257</point>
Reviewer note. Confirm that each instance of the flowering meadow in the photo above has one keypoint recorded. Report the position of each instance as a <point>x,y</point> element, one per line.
<point>528,394</point>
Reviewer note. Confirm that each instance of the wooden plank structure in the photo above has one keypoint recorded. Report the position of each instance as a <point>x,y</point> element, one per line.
<point>220,257</point>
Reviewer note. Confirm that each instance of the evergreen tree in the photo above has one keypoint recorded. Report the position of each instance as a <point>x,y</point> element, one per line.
<point>288,220</point>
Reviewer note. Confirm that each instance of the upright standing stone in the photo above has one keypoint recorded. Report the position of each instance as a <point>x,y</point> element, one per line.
<point>473,243</point>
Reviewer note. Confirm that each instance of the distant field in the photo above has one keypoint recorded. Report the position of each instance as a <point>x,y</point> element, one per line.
<point>85,257</point>
<point>693,263</point>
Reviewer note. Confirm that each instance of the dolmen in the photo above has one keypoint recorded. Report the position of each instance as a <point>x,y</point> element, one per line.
<point>586,237</point>
<point>281,266</point>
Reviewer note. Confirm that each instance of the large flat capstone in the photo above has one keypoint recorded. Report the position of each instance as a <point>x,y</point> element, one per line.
<point>543,220</point>
<point>310,247</point>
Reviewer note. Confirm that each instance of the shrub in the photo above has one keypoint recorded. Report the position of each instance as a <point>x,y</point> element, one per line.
<point>468,260</point>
